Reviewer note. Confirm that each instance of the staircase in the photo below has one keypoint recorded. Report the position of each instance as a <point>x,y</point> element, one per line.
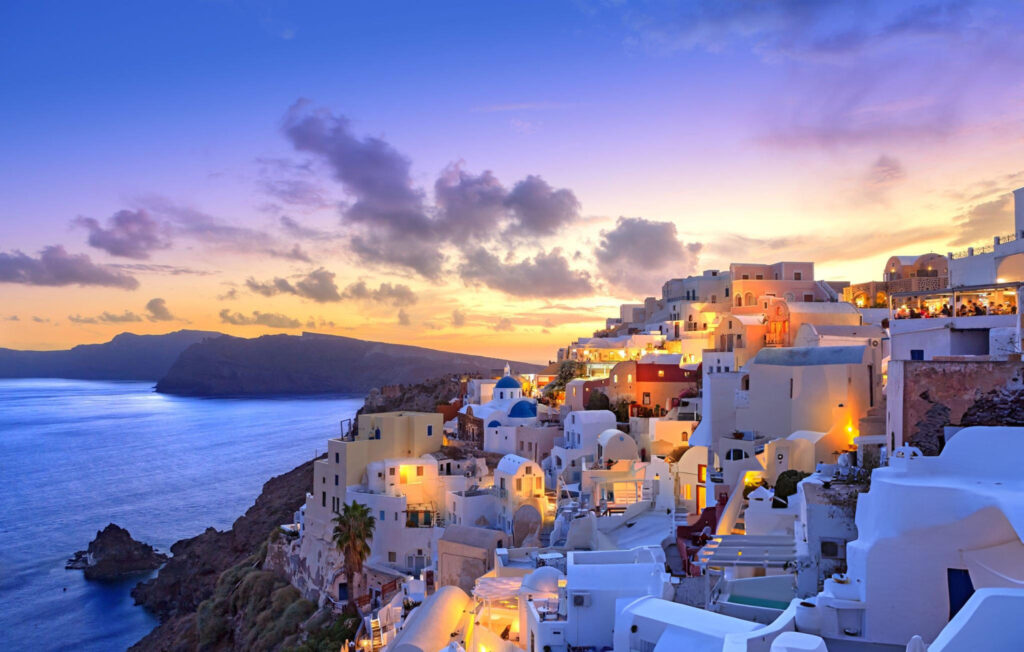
<point>376,637</point>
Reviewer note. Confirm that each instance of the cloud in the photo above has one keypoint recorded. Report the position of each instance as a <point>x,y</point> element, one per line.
<point>295,253</point>
<point>521,106</point>
<point>56,267</point>
<point>540,209</point>
<point>983,220</point>
<point>504,324</point>
<point>295,229</point>
<point>832,247</point>
<point>396,295</point>
<point>40,320</point>
<point>129,234</point>
<point>403,317</point>
<point>158,311</point>
<point>545,275</point>
<point>883,175</point>
<point>296,192</point>
<point>318,285</point>
<point>126,316</point>
<point>268,319</point>
<point>319,323</point>
<point>369,169</point>
<point>194,224</point>
<point>392,223</point>
<point>78,319</point>
<point>458,318</point>
<point>469,205</point>
<point>230,295</point>
<point>793,29</point>
<point>638,255</point>
<point>885,171</point>
<point>171,270</point>
<point>12,318</point>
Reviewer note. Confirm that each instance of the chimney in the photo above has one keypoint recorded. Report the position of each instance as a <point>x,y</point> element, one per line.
<point>1018,213</point>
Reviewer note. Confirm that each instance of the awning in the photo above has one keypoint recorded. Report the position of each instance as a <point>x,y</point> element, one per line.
<point>766,551</point>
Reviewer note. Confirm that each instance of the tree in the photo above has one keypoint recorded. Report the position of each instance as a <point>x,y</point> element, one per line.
<point>568,370</point>
<point>598,401</point>
<point>353,529</point>
<point>785,485</point>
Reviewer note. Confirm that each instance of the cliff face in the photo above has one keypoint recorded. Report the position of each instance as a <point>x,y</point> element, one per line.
<point>191,576</point>
<point>126,357</point>
<point>311,364</point>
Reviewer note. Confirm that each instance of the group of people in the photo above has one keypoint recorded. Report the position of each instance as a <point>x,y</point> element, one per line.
<point>967,308</point>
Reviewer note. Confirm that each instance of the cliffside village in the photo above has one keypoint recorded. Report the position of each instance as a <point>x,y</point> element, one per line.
<point>755,460</point>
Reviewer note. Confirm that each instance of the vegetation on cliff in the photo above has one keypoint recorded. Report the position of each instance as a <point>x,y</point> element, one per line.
<point>194,573</point>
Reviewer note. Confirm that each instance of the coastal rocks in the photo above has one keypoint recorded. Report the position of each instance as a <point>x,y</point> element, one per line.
<point>113,554</point>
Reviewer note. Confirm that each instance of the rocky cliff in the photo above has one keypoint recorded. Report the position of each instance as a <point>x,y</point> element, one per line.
<point>126,357</point>
<point>191,576</point>
<point>311,364</point>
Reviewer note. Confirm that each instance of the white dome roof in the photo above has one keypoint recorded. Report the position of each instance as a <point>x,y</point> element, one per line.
<point>543,580</point>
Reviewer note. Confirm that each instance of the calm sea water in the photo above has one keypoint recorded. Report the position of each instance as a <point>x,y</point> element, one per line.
<point>76,455</point>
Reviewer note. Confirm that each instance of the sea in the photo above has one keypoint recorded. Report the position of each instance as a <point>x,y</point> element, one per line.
<point>76,455</point>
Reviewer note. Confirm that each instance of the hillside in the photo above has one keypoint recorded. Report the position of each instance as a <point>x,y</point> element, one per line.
<point>126,357</point>
<point>312,364</point>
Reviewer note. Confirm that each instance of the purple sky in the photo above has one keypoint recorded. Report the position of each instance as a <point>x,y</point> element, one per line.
<point>488,177</point>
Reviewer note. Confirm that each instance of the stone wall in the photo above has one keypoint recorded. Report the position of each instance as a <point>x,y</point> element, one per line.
<point>939,393</point>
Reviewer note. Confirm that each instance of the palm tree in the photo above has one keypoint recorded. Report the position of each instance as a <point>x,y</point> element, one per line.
<point>353,529</point>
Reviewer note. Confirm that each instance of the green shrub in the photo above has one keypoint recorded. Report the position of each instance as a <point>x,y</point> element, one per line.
<point>785,485</point>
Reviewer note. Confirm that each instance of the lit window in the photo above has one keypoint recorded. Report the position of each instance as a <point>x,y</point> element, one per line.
<point>629,378</point>
<point>615,378</point>
<point>661,373</point>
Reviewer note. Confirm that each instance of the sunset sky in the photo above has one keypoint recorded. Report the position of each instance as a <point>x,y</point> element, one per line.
<point>484,177</point>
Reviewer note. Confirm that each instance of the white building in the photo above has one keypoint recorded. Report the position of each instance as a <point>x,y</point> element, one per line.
<point>597,585</point>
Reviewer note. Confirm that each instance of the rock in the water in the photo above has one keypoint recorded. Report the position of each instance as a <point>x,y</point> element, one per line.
<point>114,553</point>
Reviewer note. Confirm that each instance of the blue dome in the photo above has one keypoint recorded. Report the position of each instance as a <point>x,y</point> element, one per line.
<point>508,382</point>
<point>523,409</point>
<point>494,424</point>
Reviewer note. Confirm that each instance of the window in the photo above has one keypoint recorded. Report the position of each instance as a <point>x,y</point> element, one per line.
<point>529,470</point>
<point>615,378</point>
<point>430,431</point>
<point>917,354</point>
<point>323,499</point>
<point>759,277</point>
<point>790,388</point>
<point>746,277</point>
<point>392,557</point>
<point>797,276</point>
<point>323,479</point>
<point>629,378</point>
<point>808,298</point>
<point>335,479</point>
<point>382,515</point>
<point>726,291</point>
<point>391,471</point>
<point>833,549</point>
<point>419,470</point>
<point>519,484</point>
<point>647,398</point>
<point>337,459</point>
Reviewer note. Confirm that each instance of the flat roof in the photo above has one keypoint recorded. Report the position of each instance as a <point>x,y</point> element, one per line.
<point>804,356</point>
